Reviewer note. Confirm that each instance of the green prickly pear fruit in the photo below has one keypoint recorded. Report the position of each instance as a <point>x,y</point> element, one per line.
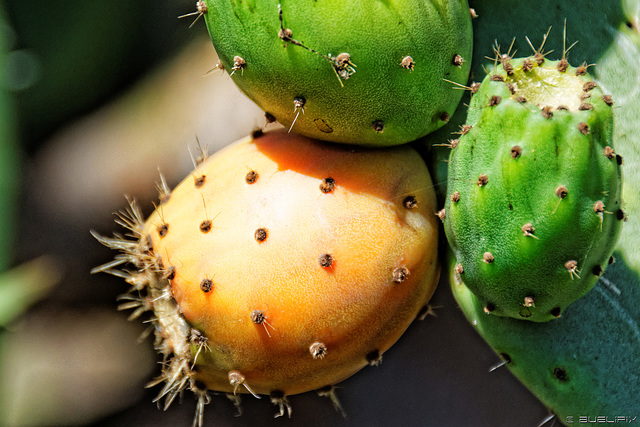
<point>365,72</point>
<point>534,188</point>
<point>583,366</point>
<point>282,265</point>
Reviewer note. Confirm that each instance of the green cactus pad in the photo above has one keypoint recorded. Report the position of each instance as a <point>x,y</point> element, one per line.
<point>329,71</point>
<point>534,188</point>
<point>584,365</point>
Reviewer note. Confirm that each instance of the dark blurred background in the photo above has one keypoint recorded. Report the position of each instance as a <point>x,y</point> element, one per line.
<point>99,95</point>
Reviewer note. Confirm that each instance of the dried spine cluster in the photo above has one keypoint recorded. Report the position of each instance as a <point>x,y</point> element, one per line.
<point>150,292</point>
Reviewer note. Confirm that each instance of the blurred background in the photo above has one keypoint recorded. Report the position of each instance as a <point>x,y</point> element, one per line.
<point>95,98</point>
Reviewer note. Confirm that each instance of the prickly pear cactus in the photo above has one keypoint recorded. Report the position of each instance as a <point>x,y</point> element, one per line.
<point>534,211</point>
<point>332,71</point>
<point>601,325</point>
<point>282,265</point>
<point>584,367</point>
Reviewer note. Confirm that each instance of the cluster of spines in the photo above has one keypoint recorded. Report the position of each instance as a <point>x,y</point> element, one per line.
<point>149,292</point>
<point>504,60</point>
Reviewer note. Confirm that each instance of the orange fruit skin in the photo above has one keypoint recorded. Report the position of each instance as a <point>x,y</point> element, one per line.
<point>352,306</point>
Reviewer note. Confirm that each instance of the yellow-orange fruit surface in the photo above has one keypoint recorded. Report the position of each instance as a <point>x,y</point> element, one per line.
<point>299,262</point>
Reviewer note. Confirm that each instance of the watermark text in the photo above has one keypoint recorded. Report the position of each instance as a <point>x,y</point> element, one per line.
<point>601,419</point>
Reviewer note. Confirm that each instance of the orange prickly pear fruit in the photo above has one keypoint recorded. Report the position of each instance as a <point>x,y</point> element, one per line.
<point>282,265</point>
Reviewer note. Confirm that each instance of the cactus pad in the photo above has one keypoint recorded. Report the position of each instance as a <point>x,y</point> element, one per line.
<point>584,367</point>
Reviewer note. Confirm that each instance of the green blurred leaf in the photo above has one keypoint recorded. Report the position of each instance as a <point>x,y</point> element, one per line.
<point>24,285</point>
<point>75,54</point>
<point>8,150</point>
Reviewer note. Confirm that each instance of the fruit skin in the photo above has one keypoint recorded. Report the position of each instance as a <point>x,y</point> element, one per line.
<point>584,364</point>
<point>534,185</point>
<point>353,306</point>
<point>392,89</point>
<point>250,231</point>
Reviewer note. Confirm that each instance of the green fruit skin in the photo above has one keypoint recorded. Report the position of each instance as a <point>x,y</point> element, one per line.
<point>584,364</point>
<point>522,190</point>
<point>409,103</point>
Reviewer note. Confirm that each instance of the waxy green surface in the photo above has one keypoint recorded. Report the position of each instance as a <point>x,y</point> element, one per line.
<point>519,218</point>
<point>381,102</point>
<point>584,364</point>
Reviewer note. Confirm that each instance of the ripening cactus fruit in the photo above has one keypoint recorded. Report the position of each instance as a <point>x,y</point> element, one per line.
<point>365,72</point>
<point>584,366</point>
<point>282,265</point>
<point>534,188</point>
